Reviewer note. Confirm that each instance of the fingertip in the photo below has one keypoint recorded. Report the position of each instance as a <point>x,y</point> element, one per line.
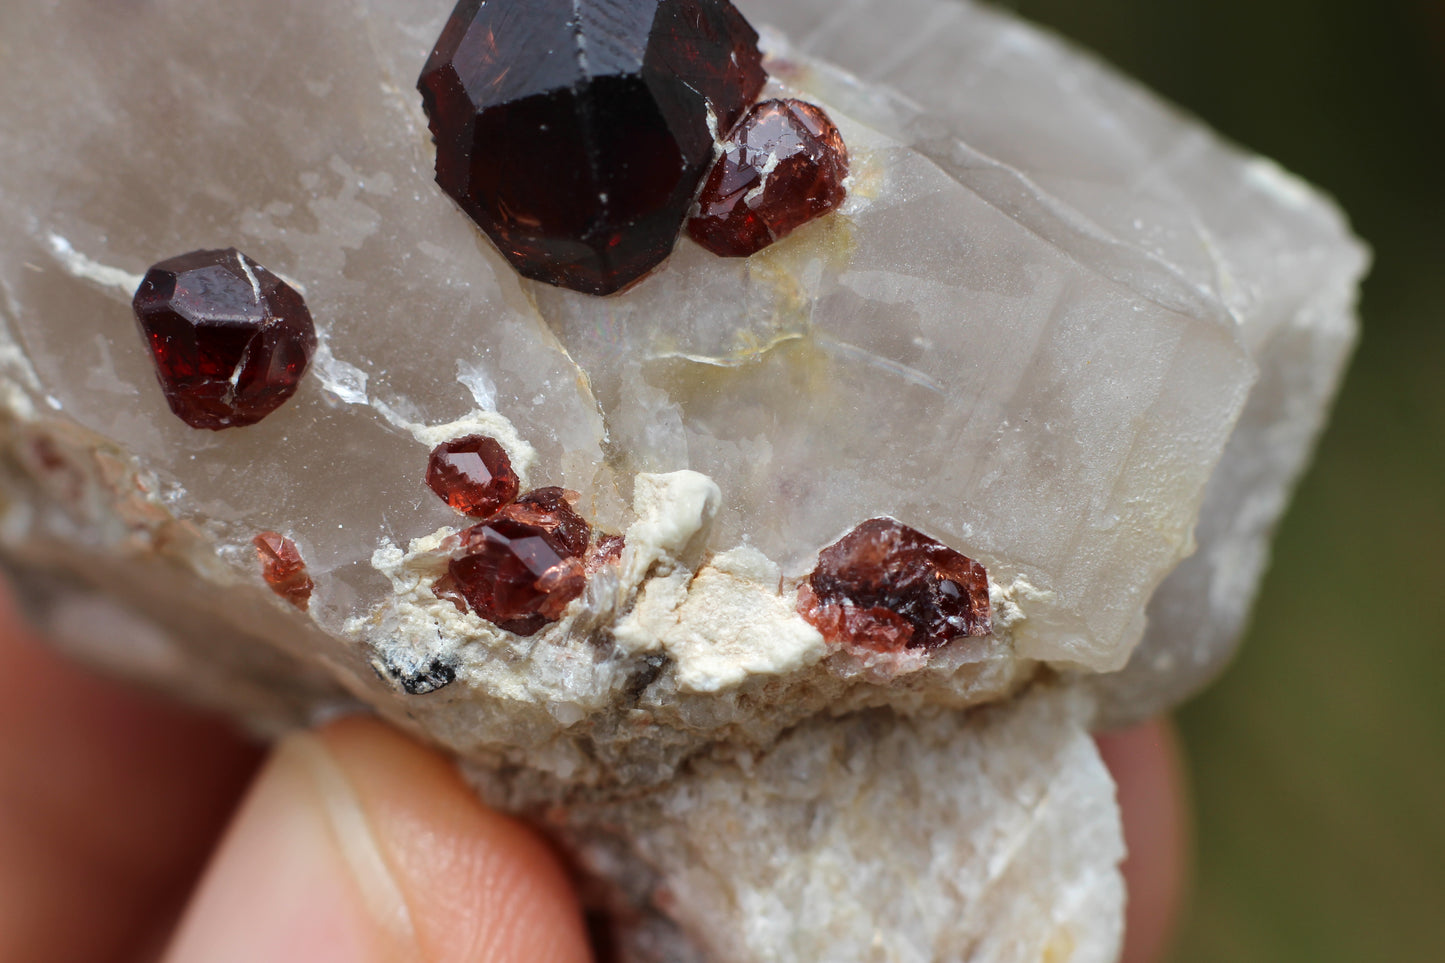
<point>480,885</point>
<point>358,844</point>
<point>1148,766</point>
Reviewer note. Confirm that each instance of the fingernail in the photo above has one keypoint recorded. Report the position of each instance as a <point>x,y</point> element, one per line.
<point>299,877</point>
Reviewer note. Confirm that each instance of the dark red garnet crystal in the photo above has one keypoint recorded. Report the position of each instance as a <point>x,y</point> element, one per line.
<point>230,340</point>
<point>576,132</point>
<point>520,568</point>
<point>885,587</point>
<point>784,166</point>
<point>472,474</point>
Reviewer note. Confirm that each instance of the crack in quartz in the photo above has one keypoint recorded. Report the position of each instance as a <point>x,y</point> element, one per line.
<point>896,368</point>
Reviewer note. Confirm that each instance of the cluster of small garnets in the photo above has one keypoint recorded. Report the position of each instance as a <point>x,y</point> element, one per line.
<point>576,134</point>
<point>530,556</point>
<point>885,587</point>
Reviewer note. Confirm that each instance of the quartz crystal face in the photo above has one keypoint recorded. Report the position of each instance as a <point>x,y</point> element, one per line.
<point>575,132</point>
<point>230,340</point>
<point>472,474</point>
<point>783,166</point>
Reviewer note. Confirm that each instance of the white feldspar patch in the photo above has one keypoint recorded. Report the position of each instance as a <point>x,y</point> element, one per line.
<point>734,623</point>
<point>875,839</point>
<point>672,511</point>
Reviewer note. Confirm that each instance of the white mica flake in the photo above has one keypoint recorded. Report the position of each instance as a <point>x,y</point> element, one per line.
<point>89,269</point>
<point>475,379</point>
<point>341,378</point>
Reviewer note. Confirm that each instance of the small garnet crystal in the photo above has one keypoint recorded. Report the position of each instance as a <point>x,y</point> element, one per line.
<point>784,166</point>
<point>575,132</point>
<point>473,475</point>
<point>283,568</point>
<point>885,587</point>
<point>521,567</point>
<point>230,340</point>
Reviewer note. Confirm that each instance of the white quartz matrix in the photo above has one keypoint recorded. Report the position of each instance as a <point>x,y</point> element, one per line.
<point>1056,325</point>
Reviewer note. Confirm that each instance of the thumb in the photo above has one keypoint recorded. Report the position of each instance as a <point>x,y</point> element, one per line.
<point>357,846</point>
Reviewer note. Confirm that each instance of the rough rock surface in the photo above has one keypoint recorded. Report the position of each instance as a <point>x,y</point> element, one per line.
<point>1055,325</point>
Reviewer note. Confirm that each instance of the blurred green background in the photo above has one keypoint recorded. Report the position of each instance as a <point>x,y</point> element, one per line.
<point>1319,760</point>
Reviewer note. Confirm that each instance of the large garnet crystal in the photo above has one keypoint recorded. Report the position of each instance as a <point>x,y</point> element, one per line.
<point>576,132</point>
<point>885,587</point>
<point>230,340</point>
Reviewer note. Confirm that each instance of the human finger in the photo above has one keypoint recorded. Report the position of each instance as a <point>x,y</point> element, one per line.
<point>1148,768</point>
<point>357,845</point>
<point>110,800</point>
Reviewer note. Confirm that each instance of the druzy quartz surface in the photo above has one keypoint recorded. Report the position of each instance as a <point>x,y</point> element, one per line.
<point>1064,331</point>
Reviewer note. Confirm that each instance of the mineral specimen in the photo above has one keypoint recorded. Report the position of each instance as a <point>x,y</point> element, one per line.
<point>885,587</point>
<point>783,166</point>
<point>284,569</point>
<point>1055,325</point>
<point>472,474</point>
<point>575,132</point>
<point>230,340</point>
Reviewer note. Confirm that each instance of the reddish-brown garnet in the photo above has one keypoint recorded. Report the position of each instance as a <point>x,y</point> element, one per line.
<point>473,475</point>
<point>230,340</point>
<point>885,587</point>
<point>607,550</point>
<point>784,166</point>
<point>575,133</point>
<point>283,568</point>
<point>520,568</point>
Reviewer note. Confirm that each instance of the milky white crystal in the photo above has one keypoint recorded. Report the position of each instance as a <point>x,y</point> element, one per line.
<point>1056,325</point>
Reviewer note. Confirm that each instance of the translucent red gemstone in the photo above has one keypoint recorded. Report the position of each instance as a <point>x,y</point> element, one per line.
<point>783,167</point>
<point>607,550</point>
<point>885,587</point>
<point>575,132</point>
<point>472,474</point>
<point>283,568</point>
<point>230,340</point>
<point>520,568</point>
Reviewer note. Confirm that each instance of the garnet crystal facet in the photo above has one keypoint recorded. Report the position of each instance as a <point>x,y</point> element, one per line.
<point>473,475</point>
<point>575,132</point>
<point>521,567</point>
<point>283,568</point>
<point>230,340</point>
<point>885,587</point>
<point>784,166</point>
